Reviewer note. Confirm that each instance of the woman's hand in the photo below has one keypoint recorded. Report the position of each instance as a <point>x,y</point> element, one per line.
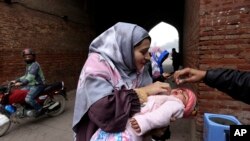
<point>156,88</point>
<point>152,89</point>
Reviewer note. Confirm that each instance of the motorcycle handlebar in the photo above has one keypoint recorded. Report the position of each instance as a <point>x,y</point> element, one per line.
<point>10,85</point>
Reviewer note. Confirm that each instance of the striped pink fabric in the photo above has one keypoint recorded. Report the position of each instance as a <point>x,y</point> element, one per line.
<point>104,136</point>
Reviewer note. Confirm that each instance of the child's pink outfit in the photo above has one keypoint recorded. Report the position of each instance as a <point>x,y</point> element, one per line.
<point>158,112</point>
<point>155,114</point>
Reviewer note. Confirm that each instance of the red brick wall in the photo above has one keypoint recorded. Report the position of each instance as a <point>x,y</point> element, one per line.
<point>218,35</point>
<point>191,46</point>
<point>61,46</point>
<point>191,34</point>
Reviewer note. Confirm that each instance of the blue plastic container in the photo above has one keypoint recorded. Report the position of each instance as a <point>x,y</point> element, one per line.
<point>216,126</point>
<point>11,109</point>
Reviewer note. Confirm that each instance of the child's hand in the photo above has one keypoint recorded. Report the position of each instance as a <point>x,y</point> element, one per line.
<point>135,125</point>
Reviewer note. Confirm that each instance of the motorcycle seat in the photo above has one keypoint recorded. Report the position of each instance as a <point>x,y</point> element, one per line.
<point>53,86</point>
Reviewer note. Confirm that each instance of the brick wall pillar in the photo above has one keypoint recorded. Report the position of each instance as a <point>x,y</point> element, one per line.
<point>216,34</point>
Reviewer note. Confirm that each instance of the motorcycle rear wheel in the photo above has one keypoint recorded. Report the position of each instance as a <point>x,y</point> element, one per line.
<point>62,103</point>
<point>4,128</point>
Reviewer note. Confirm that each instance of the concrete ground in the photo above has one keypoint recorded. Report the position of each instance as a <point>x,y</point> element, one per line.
<point>182,130</point>
<point>59,128</point>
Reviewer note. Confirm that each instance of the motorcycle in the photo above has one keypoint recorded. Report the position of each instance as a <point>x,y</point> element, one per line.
<point>13,106</point>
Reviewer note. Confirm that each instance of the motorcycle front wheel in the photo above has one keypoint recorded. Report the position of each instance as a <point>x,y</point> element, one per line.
<point>57,111</point>
<point>4,127</point>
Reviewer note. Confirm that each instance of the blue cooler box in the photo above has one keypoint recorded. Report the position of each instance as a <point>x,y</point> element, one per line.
<point>216,126</point>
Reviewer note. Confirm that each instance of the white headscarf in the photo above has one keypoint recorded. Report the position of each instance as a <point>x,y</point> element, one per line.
<point>116,46</point>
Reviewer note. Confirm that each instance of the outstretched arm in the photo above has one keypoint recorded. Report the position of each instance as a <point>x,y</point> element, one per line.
<point>233,82</point>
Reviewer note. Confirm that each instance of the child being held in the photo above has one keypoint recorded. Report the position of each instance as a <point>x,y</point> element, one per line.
<point>155,114</point>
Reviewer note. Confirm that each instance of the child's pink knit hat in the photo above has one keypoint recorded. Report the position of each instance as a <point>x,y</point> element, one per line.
<point>191,103</point>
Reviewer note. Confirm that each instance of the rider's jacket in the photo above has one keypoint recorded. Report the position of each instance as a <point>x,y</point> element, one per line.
<point>33,75</point>
<point>233,82</point>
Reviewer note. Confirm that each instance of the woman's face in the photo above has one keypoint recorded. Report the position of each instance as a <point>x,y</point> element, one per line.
<point>141,54</point>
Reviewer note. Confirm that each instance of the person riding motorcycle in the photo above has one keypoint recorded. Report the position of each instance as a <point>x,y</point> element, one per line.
<point>33,79</point>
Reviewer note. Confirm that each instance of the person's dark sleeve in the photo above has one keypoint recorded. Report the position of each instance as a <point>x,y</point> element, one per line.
<point>112,112</point>
<point>233,82</point>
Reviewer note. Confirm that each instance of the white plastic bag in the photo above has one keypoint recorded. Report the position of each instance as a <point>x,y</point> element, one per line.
<point>3,119</point>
